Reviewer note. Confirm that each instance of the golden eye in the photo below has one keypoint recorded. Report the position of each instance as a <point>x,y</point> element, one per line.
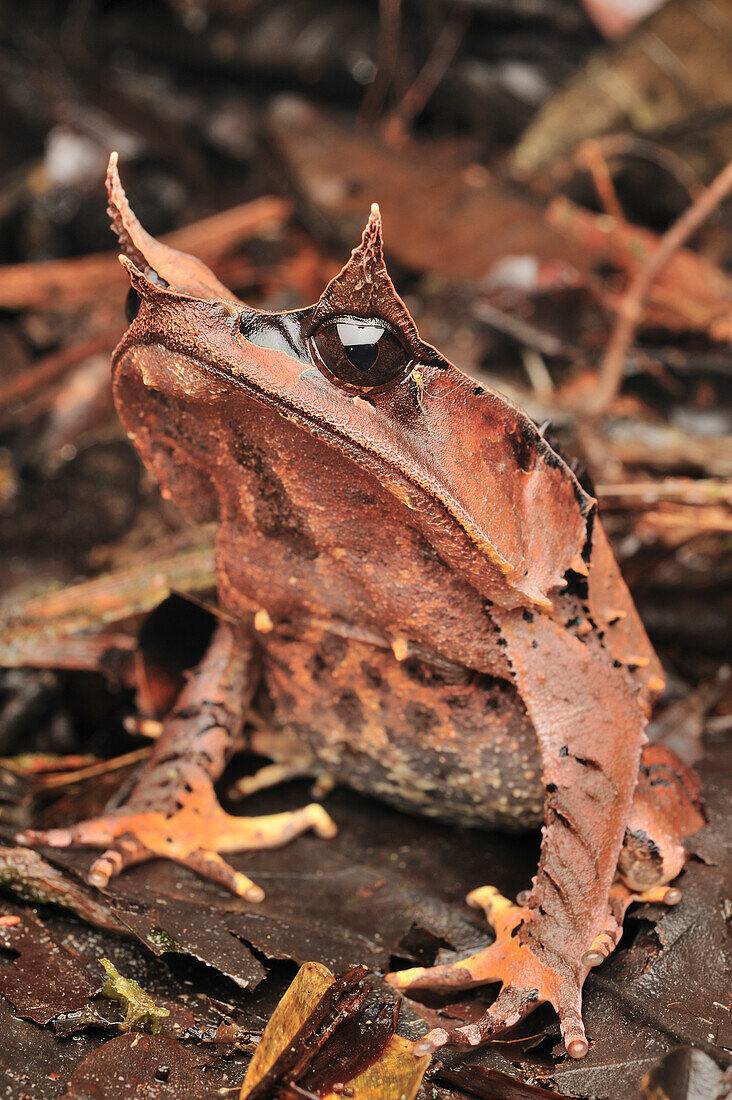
<point>359,353</point>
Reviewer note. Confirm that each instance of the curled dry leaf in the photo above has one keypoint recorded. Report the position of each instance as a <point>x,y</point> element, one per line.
<point>686,1074</point>
<point>32,878</point>
<point>320,1036</point>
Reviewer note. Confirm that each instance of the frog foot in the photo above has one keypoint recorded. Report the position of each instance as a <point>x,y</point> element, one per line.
<point>527,981</point>
<point>193,833</point>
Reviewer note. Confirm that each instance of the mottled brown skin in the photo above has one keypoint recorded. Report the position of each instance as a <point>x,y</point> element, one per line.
<point>411,732</point>
<point>416,593</point>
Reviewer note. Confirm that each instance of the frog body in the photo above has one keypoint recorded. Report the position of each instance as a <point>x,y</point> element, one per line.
<point>416,593</point>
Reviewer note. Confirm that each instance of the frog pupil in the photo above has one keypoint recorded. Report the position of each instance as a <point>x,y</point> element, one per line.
<point>360,343</point>
<point>362,356</point>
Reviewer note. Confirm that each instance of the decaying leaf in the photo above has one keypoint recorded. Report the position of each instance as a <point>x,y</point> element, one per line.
<point>452,223</point>
<point>686,1074</point>
<point>141,1011</point>
<point>36,631</point>
<point>142,1067</point>
<point>309,987</point>
<point>671,62</point>
<point>691,294</point>
<point>491,1084</point>
<point>46,979</point>
<point>30,877</point>
<point>304,1042</point>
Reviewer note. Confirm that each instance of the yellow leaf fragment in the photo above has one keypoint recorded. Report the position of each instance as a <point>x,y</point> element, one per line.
<point>396,1076</point>
<point>310,984</point>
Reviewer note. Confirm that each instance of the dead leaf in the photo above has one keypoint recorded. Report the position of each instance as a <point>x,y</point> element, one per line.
<point>686,1074</point>
<point>46,979</point>
<point>299,1040</point>
<point>491,1084</point>
<point>142,1067</point>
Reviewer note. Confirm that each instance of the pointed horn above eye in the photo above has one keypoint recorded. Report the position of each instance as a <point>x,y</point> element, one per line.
<point>363,288</point>
<point>371,239</point>
<point>158,262</point>
<point>125,225</point>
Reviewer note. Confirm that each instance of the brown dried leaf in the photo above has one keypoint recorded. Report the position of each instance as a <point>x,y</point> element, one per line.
<point>628,88</point>
<point>33,879</point>
<point>32,629</point>
<point>686,1074</point>
<point>46,979</point>
<point>311,983</point>
<point>142,1067</point>
<point>441,217</point>
<point>491,1084</point>
<point>397,1075</point>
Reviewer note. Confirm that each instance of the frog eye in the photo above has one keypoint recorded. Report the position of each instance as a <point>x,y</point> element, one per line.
<point>358,353</point>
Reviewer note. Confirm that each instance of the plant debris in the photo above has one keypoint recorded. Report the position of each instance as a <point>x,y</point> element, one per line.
<point>142,1067</point>
<point>46,979</point>
<point>141,1011</point>
<point>322,1041</point>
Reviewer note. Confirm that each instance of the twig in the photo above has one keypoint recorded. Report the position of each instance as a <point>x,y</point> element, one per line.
<point>590,156</point>
<point>99,767</point>
<point>669,490</point>
<point>546,343</point>
<point>631,307</point>
<point>387,56</point>
<point>78,282</point>
<point>416,97</point>
<point>49,369</point>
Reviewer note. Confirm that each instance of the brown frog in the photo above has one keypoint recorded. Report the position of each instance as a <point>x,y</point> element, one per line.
<point>417,599</point>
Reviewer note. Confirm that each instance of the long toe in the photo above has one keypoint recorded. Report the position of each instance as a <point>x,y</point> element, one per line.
<point>125,852</point>
<point>475,970</point>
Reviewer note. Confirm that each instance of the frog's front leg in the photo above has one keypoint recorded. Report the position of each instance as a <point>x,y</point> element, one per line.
<point>590,730</point>
<point>172,810</point>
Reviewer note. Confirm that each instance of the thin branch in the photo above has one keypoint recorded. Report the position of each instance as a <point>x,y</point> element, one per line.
<point>630,309</point>
<point>421,90</point>
<point>590,156</point>
<point>387,57</point>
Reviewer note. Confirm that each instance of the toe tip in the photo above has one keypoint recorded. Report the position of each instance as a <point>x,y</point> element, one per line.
<point>431,1042</point>
<point>402,979</point>
<point>577,1048</point>
<point>322,823</point>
